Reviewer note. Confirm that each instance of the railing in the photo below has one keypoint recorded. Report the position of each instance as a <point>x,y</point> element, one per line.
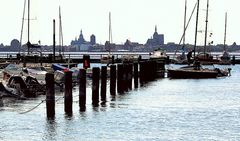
<point>98,55</point>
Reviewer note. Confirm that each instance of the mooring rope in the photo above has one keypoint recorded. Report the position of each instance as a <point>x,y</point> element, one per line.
<point>43,102</point>
<point>33,108</point>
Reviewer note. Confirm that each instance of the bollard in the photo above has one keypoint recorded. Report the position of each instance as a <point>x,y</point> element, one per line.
<point>50,95</point>
<point>82,89</point>
<point>103,83</point>
<point>120,79</point>
<point>95,86</point>
<point>135,75</point>
<point>113,80</point>
<point>68,99</point>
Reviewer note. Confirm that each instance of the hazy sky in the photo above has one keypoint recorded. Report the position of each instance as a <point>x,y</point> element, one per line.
<point>131,19</point>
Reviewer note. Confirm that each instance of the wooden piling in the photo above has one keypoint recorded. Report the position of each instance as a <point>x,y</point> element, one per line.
<point>120,79</point>
<point>233,60</point>
<point>82,89</point>
<point>50,95</point>
<point>103,83</point>
<point>142,79</point>
<point>113,79</point>
<point>68,99</point>
<point>135,75</point>
<point>130,75</point>
<point>125,77</point>
<point>95,86</point>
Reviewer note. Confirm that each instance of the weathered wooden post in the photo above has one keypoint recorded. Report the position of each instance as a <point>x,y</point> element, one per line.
<point>130,73</point>
<point>233,59</point>
<point>103,83</point>
<point>135,75</point>
<point>113,79</point>
<point>125,77</point>
<point>68,99</point>
<point>113,60</point>
<point>50,95</point>
<point>141,73</point>
<point>95,86</point>
<point>139,58</point>
<point>82,89</point>
<point>120,78</point>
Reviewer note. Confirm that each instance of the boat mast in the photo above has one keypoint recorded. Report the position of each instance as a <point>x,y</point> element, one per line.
<point>196,30</point>
<point>24,7</point>
<point>28,43</point>
<point>184,24</point>
<point>60,33</point>
<point>225,32</point>
<point>206,28</point>
<point>110,29</point>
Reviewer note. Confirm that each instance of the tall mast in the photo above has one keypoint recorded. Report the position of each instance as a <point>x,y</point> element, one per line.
<point>54,42</point>
<point>196,30</point>
<point>206,28</point>
<point>110,29</point>
<point>225,32</point>
<point>24,7</point>
<point>28,43</point>
<point>60,33</point>
<point>184,30</point>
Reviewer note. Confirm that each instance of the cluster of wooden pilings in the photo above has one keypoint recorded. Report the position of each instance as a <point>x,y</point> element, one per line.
<point>121,81</point>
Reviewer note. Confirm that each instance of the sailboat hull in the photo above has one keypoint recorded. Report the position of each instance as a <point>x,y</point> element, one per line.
<point>188,74</point>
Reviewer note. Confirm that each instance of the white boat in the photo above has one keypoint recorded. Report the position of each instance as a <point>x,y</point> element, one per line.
<point>158,54</point>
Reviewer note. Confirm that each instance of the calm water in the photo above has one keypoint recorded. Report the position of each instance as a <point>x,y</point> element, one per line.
<point>164,110</point>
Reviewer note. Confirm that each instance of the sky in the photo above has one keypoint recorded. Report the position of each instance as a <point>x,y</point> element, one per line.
<point>131,19</point>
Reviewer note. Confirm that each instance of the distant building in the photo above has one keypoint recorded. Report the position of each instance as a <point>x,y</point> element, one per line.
<point>158,39</point>
<point>81,44</point>
<point>15,43</point>
<point>78,41</point>
<point>92,40</point>
<point>128,45</point>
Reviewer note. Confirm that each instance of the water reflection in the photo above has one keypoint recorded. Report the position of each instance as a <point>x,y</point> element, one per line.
<point>50,130</point>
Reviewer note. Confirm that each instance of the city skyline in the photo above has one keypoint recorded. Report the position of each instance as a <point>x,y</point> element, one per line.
<point>134,20</point>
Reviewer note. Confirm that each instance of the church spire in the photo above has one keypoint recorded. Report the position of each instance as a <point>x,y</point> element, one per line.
<point>155,28</point>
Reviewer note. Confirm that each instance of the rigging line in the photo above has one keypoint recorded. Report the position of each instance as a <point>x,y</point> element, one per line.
<point>33,108</point>
<point>186,26</point>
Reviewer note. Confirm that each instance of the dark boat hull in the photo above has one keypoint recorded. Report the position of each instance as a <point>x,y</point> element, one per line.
<point>186,74</point>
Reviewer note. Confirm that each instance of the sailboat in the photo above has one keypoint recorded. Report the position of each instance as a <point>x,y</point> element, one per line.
<point>225,58</point>
<point>181,59</point>
<point>29,44</point>
<point>205,57</point>
<point>196,70</point>
<point>107,59</point>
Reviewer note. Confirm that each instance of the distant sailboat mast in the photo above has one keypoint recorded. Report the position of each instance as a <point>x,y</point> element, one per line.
<point>110,29</point>
<point>28,43</point>
<point>225,32</point>
<point>24,9</point>
<point>206,30</point>
<point>184,24</point>
<point>196,30</point>
<point>61,49</point>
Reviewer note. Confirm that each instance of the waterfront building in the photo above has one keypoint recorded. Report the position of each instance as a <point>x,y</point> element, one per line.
<point>81,44</point>
<point>157,39</point>
<point>92,39</point>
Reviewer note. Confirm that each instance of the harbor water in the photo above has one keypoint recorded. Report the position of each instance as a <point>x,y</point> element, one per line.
<point>165,109</point>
